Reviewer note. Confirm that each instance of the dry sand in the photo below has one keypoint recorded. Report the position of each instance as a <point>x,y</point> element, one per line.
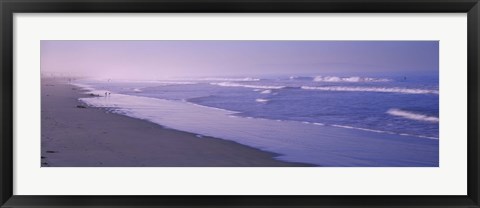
<point>92,137</point>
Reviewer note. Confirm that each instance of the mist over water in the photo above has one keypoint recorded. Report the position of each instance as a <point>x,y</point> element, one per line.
<point>146,60</point>
<point>330,103</point>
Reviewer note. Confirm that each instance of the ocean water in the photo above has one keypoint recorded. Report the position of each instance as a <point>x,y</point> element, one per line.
<point>322,120</point>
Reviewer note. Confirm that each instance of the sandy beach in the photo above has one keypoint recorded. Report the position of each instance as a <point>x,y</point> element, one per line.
<point>75,135</point>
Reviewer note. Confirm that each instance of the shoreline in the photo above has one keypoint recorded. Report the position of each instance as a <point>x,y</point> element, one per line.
<point>72,137</point>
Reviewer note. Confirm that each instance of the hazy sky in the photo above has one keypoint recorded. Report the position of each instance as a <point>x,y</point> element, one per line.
<point>163,59</point>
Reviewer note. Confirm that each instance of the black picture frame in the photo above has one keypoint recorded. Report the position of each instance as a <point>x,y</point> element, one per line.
<point>9,7</point>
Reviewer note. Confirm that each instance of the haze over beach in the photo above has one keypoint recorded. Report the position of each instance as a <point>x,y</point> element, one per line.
<point>144,59</point>
<point>240,103</point>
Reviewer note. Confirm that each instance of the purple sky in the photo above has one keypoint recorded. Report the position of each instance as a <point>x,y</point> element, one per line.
<point>163,59</point>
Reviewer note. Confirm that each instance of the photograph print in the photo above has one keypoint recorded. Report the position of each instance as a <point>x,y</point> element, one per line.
<point>239,103</point>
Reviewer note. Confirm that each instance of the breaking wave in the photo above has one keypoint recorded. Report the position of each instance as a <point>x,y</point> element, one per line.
<point>231,84</point>
<point>266,92</point>
<point>261,100</point>
<point>412,115</point>
<point>372,89</point>
<point>348,79</point>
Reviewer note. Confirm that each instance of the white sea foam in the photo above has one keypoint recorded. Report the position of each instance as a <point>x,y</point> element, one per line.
<point>233,84</point>
<point>348,79</point>
<point>426,137</point>
<point>383,132</point>
<point>363,129</point>
<point>314,123</point>
<point>412,115</point>
<point>372,89</point>
<point>137,90</point>
<point>260,100</point>
<point>266,92</point>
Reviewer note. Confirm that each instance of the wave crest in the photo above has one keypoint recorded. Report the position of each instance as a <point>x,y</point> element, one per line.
<point>412,115</point>
<point>372,89</point>
<point>348,79</point>
<point>260,100</point>
<point>232,84</point>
